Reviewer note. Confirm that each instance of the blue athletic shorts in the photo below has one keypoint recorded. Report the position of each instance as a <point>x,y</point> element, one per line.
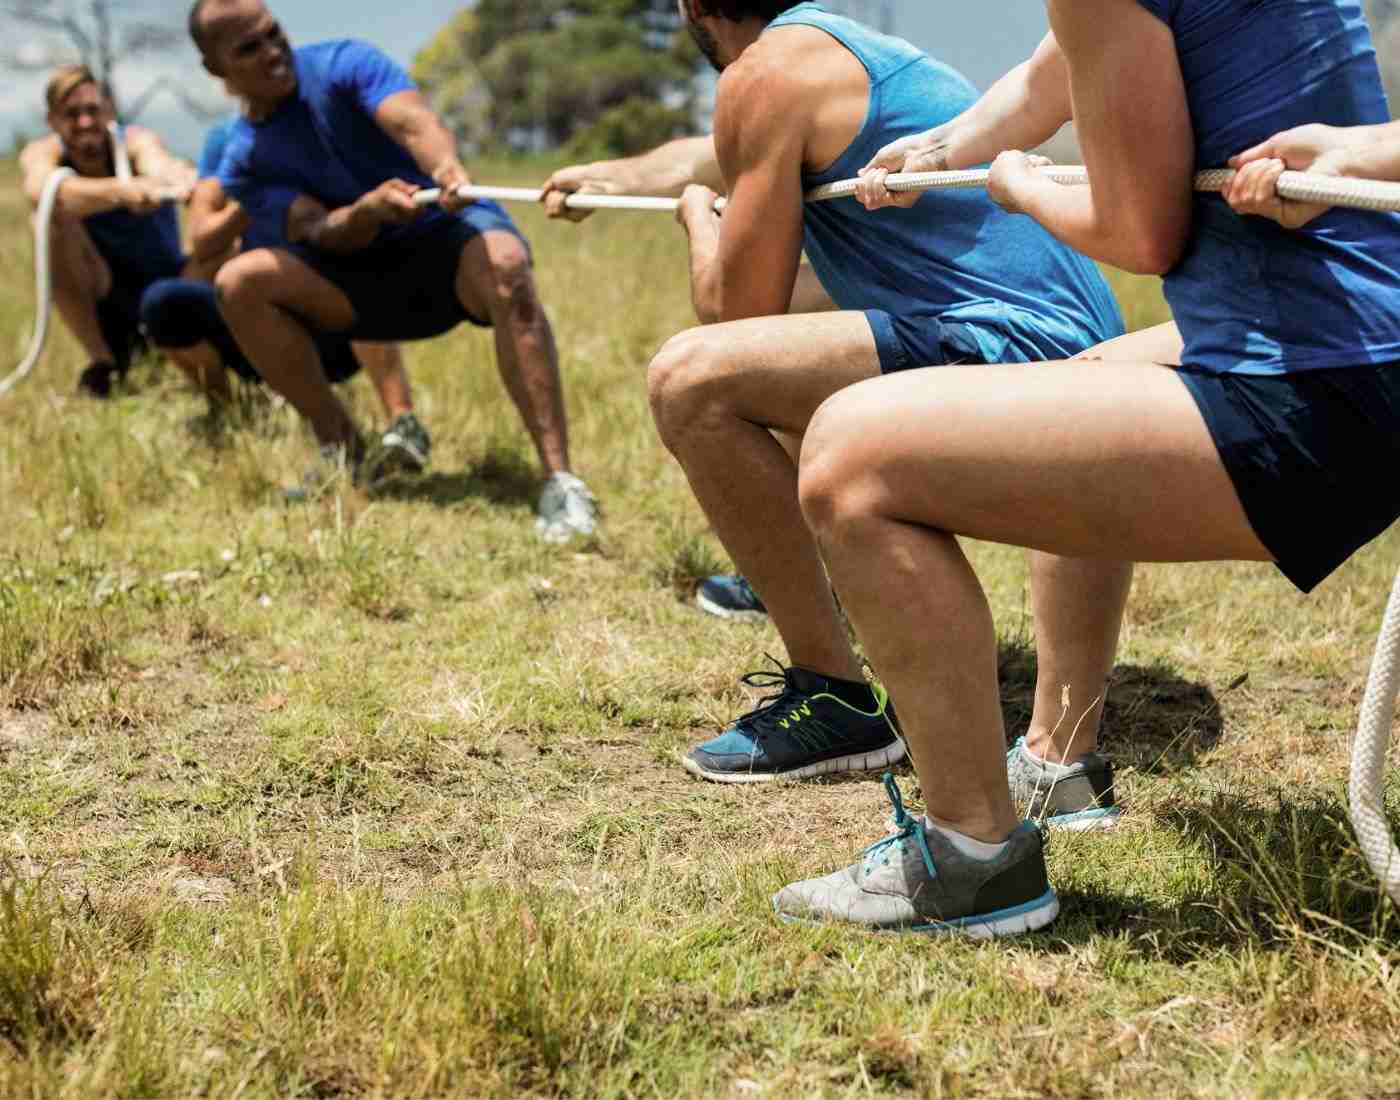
<point>908,341</point>
<point>119,314</point>
<point>180,313</point>
<point>406,289</point>
<point>1312,456</point>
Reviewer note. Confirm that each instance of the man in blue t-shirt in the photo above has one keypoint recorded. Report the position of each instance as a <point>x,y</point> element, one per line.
<point>182,318</point>
<point>806,98</point>
<point>334,143</point>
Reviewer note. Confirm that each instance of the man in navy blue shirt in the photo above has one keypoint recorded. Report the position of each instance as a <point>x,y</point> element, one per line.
<point>334,143</point>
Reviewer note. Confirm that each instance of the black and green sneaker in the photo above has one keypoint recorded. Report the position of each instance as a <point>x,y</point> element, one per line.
<point>802,730</point>
<point>402,450</point>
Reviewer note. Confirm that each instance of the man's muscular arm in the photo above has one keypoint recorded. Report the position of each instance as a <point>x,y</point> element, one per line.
<point>350,228</point>
<point>216,221</point>
<point>745,265</point>
<point>79,197</point>
<point>407,118</point>
<point>150,158</point>
<point>665,171</point>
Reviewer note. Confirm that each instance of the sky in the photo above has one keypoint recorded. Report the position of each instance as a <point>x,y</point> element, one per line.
<point>983,40</point>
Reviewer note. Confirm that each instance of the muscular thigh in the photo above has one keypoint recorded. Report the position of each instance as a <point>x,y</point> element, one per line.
<point>277,276</point>
<point>1100,459</point>
<point>1159,344</point>
<point>776,371</point>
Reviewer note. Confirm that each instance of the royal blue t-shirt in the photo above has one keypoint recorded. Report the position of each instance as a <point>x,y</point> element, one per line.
<point>1001,287</point>
<point>215,142</point>
<point>1249,295</point>
<point>323,141</point>
<point>268,229</point>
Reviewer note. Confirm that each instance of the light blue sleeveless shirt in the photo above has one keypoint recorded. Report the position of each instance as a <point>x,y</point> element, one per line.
<point>1004,289</point>
<point>1249,295</point>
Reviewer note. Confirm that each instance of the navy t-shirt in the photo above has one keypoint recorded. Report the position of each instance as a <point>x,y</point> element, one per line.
<point>1249,295</point>
<point>323,141</point>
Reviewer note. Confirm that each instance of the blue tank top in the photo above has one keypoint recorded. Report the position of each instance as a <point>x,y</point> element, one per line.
<point>1249,295</point>
<point>145,247</point>
<point>1005,290</point>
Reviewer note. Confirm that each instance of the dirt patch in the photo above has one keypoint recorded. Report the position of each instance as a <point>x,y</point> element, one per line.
<point>20,729</point>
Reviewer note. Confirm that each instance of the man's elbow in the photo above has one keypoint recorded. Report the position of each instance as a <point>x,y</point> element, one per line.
<point>1155,250</point>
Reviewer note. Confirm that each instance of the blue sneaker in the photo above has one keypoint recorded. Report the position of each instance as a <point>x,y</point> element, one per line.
<point>800,731</point>
<point>730,597</point>
<point>1077,799</point>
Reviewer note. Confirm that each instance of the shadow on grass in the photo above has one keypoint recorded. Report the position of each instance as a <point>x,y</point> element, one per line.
<point>501,477</point>
<point>1277,874</point>
<point>1154,722</point>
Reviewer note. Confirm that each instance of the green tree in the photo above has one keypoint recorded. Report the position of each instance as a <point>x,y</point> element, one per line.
<point>604,77</point>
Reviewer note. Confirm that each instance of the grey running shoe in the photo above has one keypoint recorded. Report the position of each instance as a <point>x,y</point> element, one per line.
<point>338,462</point>
<point>1079,800</point>
<point>403,449</point>
<point>567,509</point>
<point>916,881</point>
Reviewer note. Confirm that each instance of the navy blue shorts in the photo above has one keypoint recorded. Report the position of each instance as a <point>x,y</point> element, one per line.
<point>907,341</point>
<point>119,314</point>
<point>180,313</point>
<point>406,289</point>
<point>1311,455</point>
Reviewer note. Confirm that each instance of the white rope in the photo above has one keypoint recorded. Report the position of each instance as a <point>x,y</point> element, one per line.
<point>1368,753</point>
<point>121,160</point>
<point>1302,186</point>
<point>43,279</point>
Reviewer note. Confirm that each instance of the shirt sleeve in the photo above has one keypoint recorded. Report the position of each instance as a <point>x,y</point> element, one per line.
<point>368,75</point>
<point>215,142</point>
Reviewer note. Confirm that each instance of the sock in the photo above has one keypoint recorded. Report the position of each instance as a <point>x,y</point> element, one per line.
<point>968,846</point>
<point>1052,769</point>
<point>854,693</point>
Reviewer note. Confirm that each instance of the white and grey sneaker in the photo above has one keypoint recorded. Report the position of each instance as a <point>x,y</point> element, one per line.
<point>1074,797</point>
<point>567,509</point>
<point>403,449</point>
<point>915,880</point>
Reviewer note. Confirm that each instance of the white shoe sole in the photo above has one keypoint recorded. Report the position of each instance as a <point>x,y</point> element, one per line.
<point>892,753</point>
<point>1030,917</point>
<point>708,605</point>
<point>1085,822</point>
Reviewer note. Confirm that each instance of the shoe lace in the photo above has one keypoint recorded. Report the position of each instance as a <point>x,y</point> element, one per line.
<point>787,712</point>
<point>906,827</point>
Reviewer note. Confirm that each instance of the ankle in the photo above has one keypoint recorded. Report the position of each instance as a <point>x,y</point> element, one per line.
<point>1046,749</point>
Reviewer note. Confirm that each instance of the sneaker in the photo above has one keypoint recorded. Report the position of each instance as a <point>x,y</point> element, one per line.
<point>567,508</point>
<point>403,449</point>
<point>730,597</point>
<point>96,380</point>
<point>915,880</point>
<point>1078,800</point>
<point>337,462</point>
<point>800,731</point>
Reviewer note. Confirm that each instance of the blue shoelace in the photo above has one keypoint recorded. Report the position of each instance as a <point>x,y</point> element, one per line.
<point>905,827</point>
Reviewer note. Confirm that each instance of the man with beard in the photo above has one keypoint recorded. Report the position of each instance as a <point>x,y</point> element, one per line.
<point>807,97</point>
<point>334,143</point>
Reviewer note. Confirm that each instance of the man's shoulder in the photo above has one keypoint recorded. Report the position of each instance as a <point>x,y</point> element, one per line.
<point>771,80</point>
<point>47,147</point>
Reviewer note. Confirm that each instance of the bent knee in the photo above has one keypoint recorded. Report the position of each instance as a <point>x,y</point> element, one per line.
<point>247,278</point>
<point>510,276</point>
<point>835,476</point>
<point>678,380</point>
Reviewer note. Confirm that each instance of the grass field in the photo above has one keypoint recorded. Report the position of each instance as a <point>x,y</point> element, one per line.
<point>379,797</point>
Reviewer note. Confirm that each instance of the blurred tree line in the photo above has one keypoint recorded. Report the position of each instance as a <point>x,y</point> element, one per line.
<point>595,77</point>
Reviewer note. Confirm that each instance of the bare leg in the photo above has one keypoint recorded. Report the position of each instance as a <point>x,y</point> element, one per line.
<point>203,366</point>
<point>81,279</point>
<point>264,295</point>
<point>718,394</point>
<point>495,281</point>
<point>1078,605</point>
<point>1101,461</point>
<point>384,365</point>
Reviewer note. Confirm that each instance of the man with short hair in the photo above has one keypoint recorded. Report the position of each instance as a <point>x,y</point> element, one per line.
<point>110,238</point>
<point>806,97</point>
<point>334,144</point>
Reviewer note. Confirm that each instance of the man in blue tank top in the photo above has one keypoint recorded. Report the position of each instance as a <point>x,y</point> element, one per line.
<point>333,144</point>
<point>110,238</point>
<point>807,97</point>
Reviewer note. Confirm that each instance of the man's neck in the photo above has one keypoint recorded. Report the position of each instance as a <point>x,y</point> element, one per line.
<point>260,110</point>
<point>97,166</point>
<point>738,37</point>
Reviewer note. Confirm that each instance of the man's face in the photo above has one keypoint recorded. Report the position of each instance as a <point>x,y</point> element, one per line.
<point>248,49</point>
<point>701,34</point>
<point>80,121</point>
